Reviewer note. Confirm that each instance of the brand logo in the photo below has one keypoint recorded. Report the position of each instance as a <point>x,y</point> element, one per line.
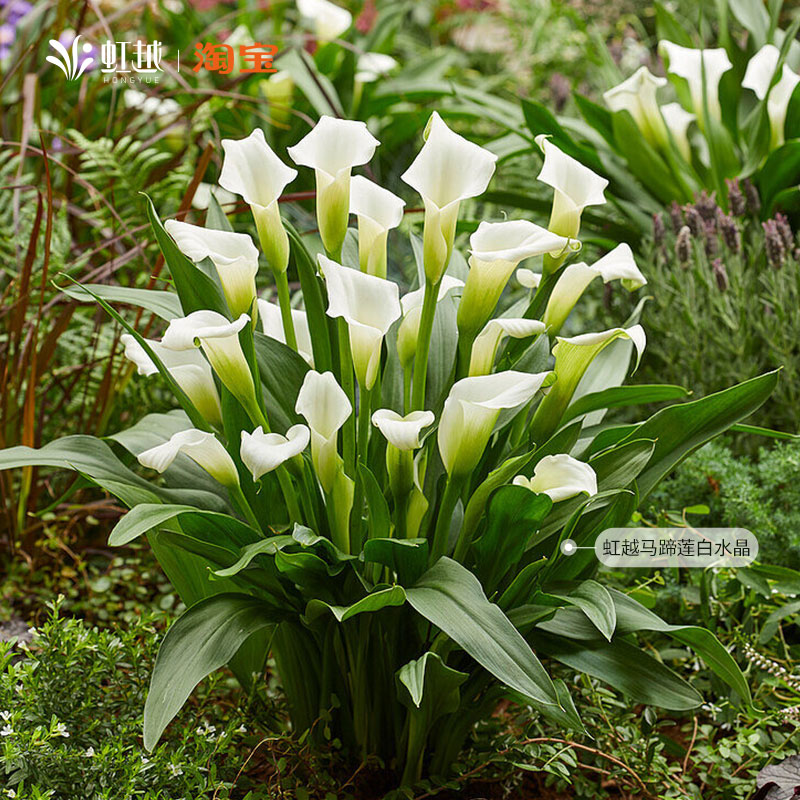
<point>72,63</point>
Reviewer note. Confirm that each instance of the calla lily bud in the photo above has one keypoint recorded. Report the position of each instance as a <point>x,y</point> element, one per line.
<point>471,411</point>
<point>251,169</point>
<point>678,120</point>
<point>488,340</point>
<point>329,20</point>
<point>575,185</point>
<point>637,95</point>
<point>371,66</point>
<point>219,339</point>
<point>403,437</point>
<point>758,77</point>
<point>529,279</point>
<point>702,70</point>
<point>496,249</point>
<point>272,326</point>
<point>411,302</point>
<point>448,169</point>
<point>377,210</point>
<point>369,305</point>
<point>332,149</point>
<point>233,254</point>
<point>616,265</point>
<point>560,477</point>
<point>189,369</point>
<point>264,452</point>
<point>202,447</point>
<point>325,407</point>
<point>278,89</point>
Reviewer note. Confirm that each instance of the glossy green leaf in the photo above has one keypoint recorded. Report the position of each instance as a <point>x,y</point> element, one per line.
<point>375,601</point>
<point>595,601</point>
<point>163,304</point>
<point>407,558</point>
<point>620,396</point>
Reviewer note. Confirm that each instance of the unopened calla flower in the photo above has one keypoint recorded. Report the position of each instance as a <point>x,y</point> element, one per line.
<point>377,211</point>
<point>263,452</point>
<point>560,477</point>
<point>233,254</point>
<point>219,339</point>
<point>488,340</point>
<point>329,20</point>
<point>496,249</point>
<point>678,120</point>
<point>202,447</point>
<point>369,305</point>
<point>447,170</point>
<point>205,191</point>
<point>702,70</point>
<point>637,95</point>
<point>758,77</point>
<point>575,185</point>
<point>325,407</point>
<point>403,437</point>
<point>471,411</point>
<point>251,169</point>
<point>278,89</point>
<point>332,149</point>
<point>371,66</point>
<point>272,326</point>
<point>619,265</point>
<point>411,303</point>
<point>529,279</point>
<point>189,369</point>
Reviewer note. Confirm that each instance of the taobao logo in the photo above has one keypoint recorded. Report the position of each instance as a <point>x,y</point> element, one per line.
<point>73,65</point>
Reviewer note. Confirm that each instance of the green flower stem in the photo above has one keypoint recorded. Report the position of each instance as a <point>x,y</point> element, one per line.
<point>347,382</point>
<point>406,390</point>
<point>465,342</point>
<point>282,282</point>
<point>423,345</point>
<point>364,409</point>
<point>308,496</point>
<point>400,517</point>
<point>452,490</point>
<point>240,501</point>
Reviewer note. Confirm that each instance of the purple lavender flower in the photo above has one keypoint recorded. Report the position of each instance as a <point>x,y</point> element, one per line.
<point>11,14</point>
<point>683,246</point>
<point>720,274</point>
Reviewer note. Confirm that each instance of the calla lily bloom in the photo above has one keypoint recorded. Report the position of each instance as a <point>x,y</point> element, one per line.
<point>189,369</point>
<point>272,326</point>
<point>251,169</point>
<point>616,265</point>
<point>371,66</point>
<point>758,77</point>
<point>488,340</point>
<point>447,170</point>
<point>332,149</point>
<point>496,249</point>
<point>702,70</point>
<point>219,339</point>
<point>560,477</point>
<point>678,121</point>
<point>637,95</point>
<point>329,20</point>
<point>529,279</point>
<point>325,407</point>
<point>403,437</point>
<point>575,185</point>
<point>369,305</point>
<point>411,303</point>
<point>204,193</point>
<point>471,411</point>
<point>263,452</point>
<point>278,89</point>
<point>233,254</point>
<point>377,210</point>
<point>202,447</point>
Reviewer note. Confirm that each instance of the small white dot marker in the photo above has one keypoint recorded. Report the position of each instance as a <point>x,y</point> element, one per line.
<point>569,547</point>
<point>87,48</point>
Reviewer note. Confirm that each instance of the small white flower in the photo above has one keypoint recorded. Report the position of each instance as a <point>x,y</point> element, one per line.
<point>174,770</point>
<point>61,730</point>
<point>89,753</point>
<point>488,340</point>
<point>329,20</point>
<point>5,715</point>
<point>560,477</point>
<point>6,730</point>
<point>371,66</point>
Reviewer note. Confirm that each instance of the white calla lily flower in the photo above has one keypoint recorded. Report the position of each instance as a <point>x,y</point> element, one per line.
<point>488,340</point>
<point>402,432</point>
<point>233,254</point>
<point>332,149</point>
<point>369,305</point>
<point>496,249</point>
<point>264,452</point>
<point>447,170</point>
<point>329,20</point>
<point>202,447</point>
<point>471,411</point>
<point>251,169</point>
<point>189,369</point>
<point>702,70</point>
<point>325,407</point>
<point>619,264</point>
<point>575,185</point>
<point>678,119</point>
<point>411,303</point>
<point>377,211</point>
<point>204,193</point>
<point>278,89</point>
<point>560,477</point>
<point>272,326</point>
<point>371,66</point>
<point>528,279</point>
<point>758,77</point>
<point>637,95</point>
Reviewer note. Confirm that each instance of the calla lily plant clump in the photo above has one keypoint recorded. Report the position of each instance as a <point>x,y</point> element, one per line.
<point>373,484</point>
